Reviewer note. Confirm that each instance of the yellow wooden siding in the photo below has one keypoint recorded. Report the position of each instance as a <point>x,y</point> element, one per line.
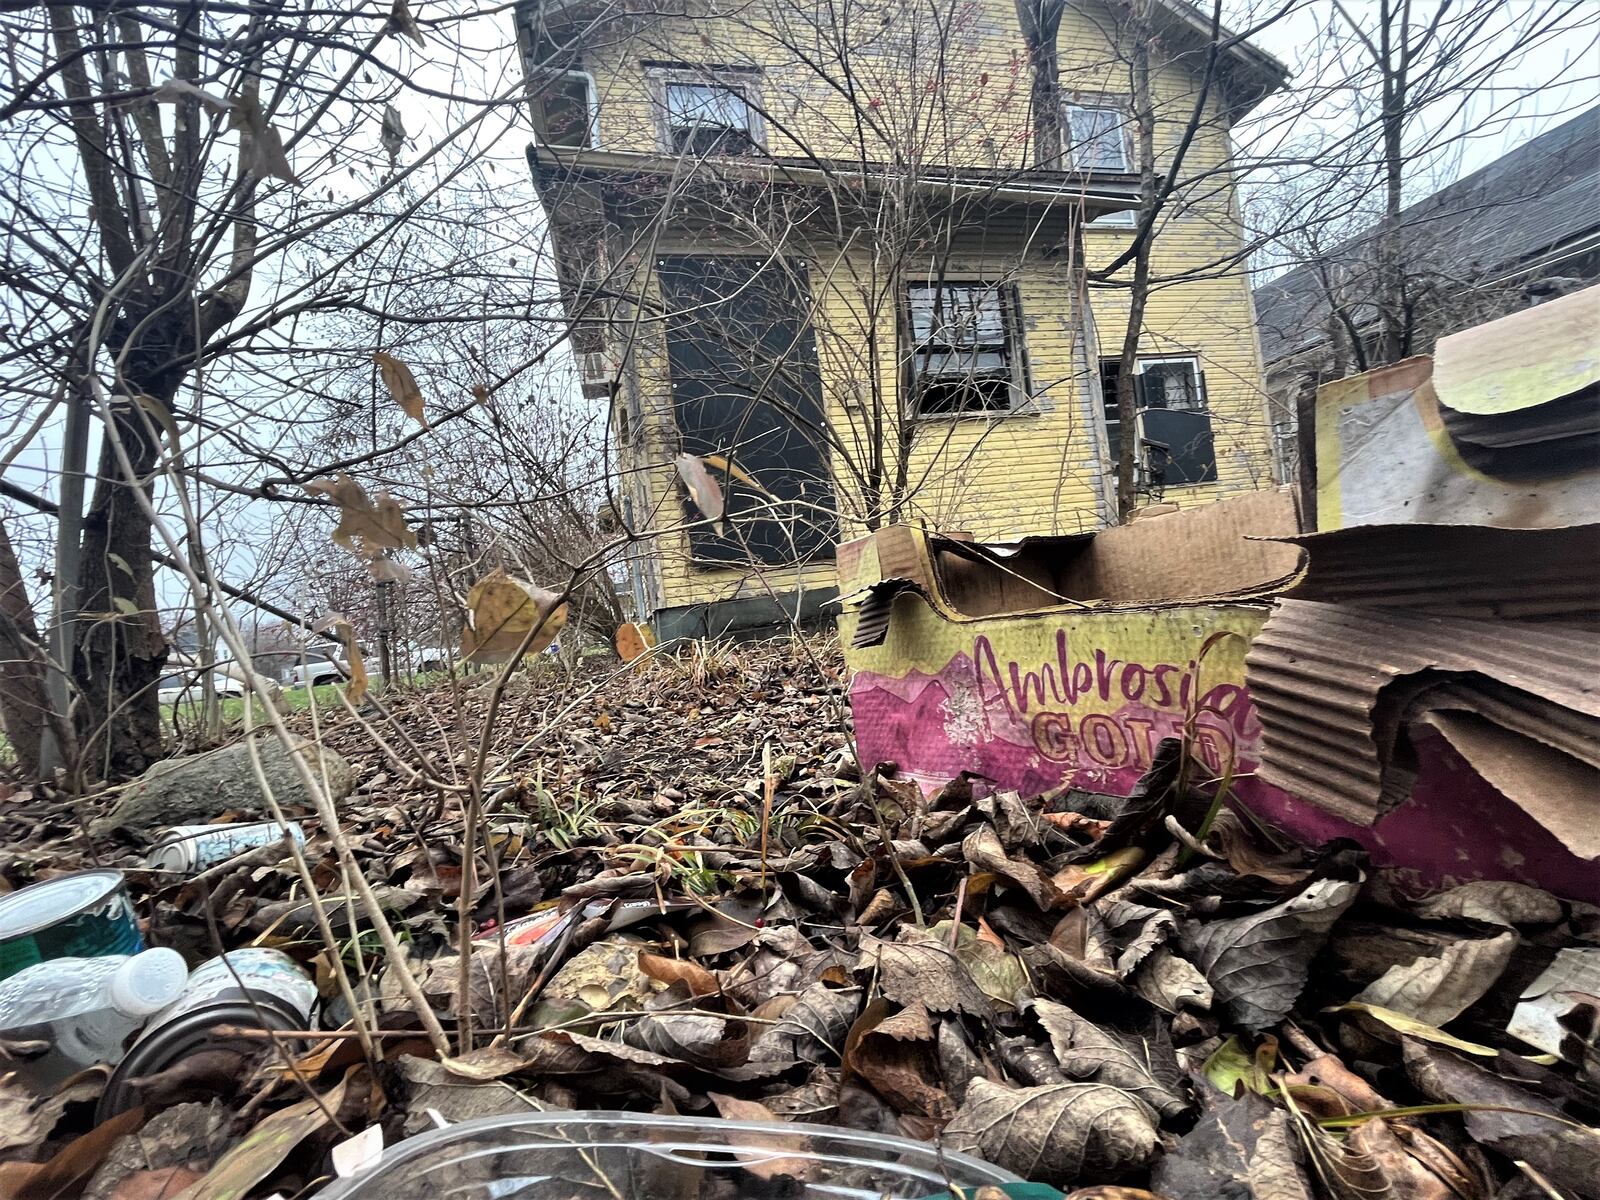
<point>968,103</point>
<point>1035,471</point>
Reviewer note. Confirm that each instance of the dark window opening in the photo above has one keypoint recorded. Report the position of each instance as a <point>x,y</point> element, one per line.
<point>564,111</point>
<point>1174,422</point>
<point>747,398</point>
<point>708,118</point>
<point>964,355</point>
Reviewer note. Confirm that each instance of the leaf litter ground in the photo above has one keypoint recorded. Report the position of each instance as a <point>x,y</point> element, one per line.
<point>1094,992</point>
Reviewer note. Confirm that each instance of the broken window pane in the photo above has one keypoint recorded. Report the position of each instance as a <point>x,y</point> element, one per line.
<point>563,111</point>
<point>1095,138</point>
<point>1176,445</point>
<point>704,118</point>
<point>963,355</point>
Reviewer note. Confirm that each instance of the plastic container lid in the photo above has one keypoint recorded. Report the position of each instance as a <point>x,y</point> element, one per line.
<point>148,982</point>
<point>562,1155</point>
<point>40,905</point>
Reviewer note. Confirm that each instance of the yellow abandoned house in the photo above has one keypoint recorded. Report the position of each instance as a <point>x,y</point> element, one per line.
<point>874,261</point>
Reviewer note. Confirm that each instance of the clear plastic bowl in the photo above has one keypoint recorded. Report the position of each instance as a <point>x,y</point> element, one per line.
<point>629,1156</point>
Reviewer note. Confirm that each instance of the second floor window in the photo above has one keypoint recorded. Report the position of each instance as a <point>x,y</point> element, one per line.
<point>564,110</point>
<point>1096,136</point>
<point>708,117</point>
<point>965,356</point>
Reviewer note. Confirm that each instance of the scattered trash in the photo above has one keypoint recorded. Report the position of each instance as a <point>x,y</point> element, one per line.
<point>1546,1016</point>
<point>83,915</point>
<point>188,848</point>
<point>85,1008</point>
<point>253,988</point>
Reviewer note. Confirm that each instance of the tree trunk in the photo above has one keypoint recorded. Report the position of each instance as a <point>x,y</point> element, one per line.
<point>1393,332</point>
<point>1040,21</point>
<point>1139,34</point>
<point>121,651</point>
<point>24,696</point>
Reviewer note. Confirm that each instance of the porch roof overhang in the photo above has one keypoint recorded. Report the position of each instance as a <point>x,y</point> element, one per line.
<point>1094,194</point>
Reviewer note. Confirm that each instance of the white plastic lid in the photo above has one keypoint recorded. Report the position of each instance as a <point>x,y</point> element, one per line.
<point>148,982</point>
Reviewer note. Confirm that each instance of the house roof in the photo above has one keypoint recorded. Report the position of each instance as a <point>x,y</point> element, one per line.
<point>1538,199</point>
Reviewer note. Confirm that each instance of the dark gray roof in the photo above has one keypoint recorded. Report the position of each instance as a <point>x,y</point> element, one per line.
<point>1539,196</point>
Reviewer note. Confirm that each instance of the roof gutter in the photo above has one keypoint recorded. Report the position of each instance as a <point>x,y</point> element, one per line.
<point>1040,193</point>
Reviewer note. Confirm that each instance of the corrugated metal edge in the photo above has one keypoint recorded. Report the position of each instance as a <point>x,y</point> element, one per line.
<point>1318,675</point>
<point>1470,571</point>
<point>874,607</point>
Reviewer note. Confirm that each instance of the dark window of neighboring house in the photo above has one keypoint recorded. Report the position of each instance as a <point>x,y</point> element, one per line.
<point>1096,136</point>
<point>564,110</point>
<point>963,348</point>
<point>747,398</point>
<point>1174,420</point>
<point>708,118</point>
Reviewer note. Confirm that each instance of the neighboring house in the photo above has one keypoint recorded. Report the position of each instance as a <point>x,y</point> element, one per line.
<point>1522,229</point>
<point>828,251</point>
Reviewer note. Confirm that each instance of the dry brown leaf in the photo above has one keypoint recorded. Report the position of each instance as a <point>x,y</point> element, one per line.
<point>27,1119</point>
<point>762,1162</point>
<point>1436,989</point>
<point>1143,1067</point>
<point>393,136</point>
<point>897,1056</point>
<point>261,151</point>
<point>634,641</point>
<point>264,1148</point>
<point>813,1029</point>
<point>1063,1134</point>
<point>983,849</point>
<point>1258,962</point>
<point>336,624</point>
<point>1244,1147</point>
<point>485,1063</point>
<point>501,612</point>
<point>696,978</point>
<point>923,972</point>
<point>73,1164</point>
<point>159,1184</point>
<point>366,526</point>
<point>401,22</point>
<point>397,377</point>
<point>1407,1176</point>
<point>703,489</point>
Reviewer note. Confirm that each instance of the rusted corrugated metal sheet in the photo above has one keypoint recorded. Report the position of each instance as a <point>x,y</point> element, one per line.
<point>1335,684</point>
<point>1457,570</point>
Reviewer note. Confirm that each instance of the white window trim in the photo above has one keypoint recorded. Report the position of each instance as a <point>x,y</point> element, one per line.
<point>746,81</point>
<point>1125,219</point>
<point>1016,341</point>
<point>1069,146</point>
<point>593,93</point>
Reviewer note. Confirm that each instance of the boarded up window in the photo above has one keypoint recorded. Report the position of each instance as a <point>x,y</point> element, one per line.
<point>746,391</point>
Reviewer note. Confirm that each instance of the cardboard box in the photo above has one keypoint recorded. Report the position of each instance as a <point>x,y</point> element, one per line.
<point>1063,661</point>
